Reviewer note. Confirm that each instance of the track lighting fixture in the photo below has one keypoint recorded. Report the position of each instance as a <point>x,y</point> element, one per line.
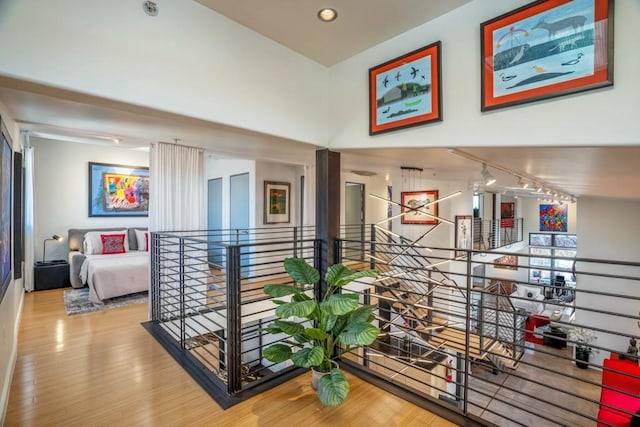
<point>522,184</point>
<point>525,180</point>
<point>486,175</point>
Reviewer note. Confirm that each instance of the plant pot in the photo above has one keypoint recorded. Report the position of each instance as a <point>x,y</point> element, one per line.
<point>582,357</point>
<point>316,375</point>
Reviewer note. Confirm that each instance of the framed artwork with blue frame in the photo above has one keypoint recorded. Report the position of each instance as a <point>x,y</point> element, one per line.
<point>118,190</point>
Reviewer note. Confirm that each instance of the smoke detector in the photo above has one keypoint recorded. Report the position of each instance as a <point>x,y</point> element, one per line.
<point>150,8</point>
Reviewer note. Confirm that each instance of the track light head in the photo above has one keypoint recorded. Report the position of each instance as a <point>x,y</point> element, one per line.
<point>523,184</point>
<point>486,175</point>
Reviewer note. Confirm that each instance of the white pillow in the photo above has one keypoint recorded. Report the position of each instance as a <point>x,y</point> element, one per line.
<point>141,238</point>
<point>524,291</point>
<point>92,243</point>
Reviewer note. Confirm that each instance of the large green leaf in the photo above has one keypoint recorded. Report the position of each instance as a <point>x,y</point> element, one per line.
<point>362,314</point>
<point>273,329</point>
<point>315,334</point>
<point>341,323</point>
<point>308,357</point>
<point>280,290</point>
<point>327,321</point>
<point>300,297</point>
<point>333,388</point>
<point>359,334</point>
<point>335,273</point>
<point>348,278</point>
<point>290,328</point>
<point>277,353</point>
<point>300,271</point>
<point>338,304</point>
<point>298,309</point>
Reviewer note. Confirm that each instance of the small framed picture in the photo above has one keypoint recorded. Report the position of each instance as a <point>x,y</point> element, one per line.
<point>406,91</point>
<point>463,235</point>
<point>277,202</point>
<point>418,207</point>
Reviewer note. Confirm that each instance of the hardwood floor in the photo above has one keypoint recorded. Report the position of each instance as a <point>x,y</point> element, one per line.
<point>103,368</point>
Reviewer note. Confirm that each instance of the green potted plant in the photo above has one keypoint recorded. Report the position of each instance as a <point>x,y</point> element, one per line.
<point>330,327</point>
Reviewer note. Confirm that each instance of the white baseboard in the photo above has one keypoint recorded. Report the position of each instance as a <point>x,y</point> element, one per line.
<point>6,387</point>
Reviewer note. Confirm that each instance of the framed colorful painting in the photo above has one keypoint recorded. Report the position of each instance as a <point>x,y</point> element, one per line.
<point>546,49</point>
<point>277,205</point>
<point>464,233</point>
<point>118,190</point>
<point>554,218</point>
<point>418,207</point>
<point>406,91</point>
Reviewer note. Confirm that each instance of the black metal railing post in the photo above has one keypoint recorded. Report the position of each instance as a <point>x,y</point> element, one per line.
<point>467,337</point>
<point>234,321</point>
<point>372,263</point>
<point>155,277</point>
<point>295,242</point>
<point>183,326</point>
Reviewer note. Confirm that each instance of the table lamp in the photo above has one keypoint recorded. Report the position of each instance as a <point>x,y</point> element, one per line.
<point>44,245</point>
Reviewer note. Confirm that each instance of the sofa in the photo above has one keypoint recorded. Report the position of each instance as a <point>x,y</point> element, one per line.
<point>620,391</point>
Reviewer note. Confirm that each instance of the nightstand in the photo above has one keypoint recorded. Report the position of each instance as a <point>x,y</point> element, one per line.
<point>50,275</point>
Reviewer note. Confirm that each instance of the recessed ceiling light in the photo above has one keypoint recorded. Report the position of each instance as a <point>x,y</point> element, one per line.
<point>327,14</point>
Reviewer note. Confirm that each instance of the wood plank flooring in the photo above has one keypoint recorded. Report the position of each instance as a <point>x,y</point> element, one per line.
<point>104,369</point>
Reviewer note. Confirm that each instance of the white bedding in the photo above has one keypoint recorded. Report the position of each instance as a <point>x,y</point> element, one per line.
<point>114,275</point>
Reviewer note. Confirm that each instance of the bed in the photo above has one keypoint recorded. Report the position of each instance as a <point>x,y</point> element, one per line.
<point>109,269</point>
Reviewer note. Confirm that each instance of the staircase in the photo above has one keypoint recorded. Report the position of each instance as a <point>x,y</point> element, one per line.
<point>406,287</point>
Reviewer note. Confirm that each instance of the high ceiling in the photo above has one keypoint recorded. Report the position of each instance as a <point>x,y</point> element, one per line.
<point>59,114</point>
<point>360,24</point>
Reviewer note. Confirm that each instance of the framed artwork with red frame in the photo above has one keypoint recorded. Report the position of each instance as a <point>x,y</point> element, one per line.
<point>546,49</point>
<point>418,207</point>
<point>406,91</point>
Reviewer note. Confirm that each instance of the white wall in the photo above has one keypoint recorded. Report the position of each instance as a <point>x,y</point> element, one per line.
<point>61,190</point>
<point>188,60</point>
<point>605,116</point>
<point>11,305</point>
<point>608,229</point>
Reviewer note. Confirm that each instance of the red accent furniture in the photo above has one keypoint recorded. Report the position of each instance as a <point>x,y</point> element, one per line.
<point>531,324</point>
<point>626,380</point>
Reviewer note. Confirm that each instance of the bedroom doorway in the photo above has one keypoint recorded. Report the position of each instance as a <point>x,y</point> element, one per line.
<point>214,220</point>
<point>239,204</point>
<point>354,220</point>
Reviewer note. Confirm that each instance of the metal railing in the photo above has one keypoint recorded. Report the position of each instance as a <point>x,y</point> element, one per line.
<point>208,306</point>
<point>457,333</point>
<point>481,342</point>
<point>497,233</point>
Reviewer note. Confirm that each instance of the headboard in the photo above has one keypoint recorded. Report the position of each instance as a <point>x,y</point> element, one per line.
<point>76,236</point>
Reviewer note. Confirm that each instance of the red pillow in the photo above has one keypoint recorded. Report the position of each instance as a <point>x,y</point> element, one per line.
<point>146,236</point>
<point>112,243</point>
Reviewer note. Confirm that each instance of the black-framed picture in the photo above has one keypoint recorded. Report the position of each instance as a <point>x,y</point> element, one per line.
<point>464,233</point>
<point>277,202</point>
<point>546,49</point>
<point>118,190</point>
<point>406,91</point>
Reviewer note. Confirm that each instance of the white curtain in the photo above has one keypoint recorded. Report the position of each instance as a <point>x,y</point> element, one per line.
<point>177,188</point>
<point>177,202</point>
<point>29,226</point>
